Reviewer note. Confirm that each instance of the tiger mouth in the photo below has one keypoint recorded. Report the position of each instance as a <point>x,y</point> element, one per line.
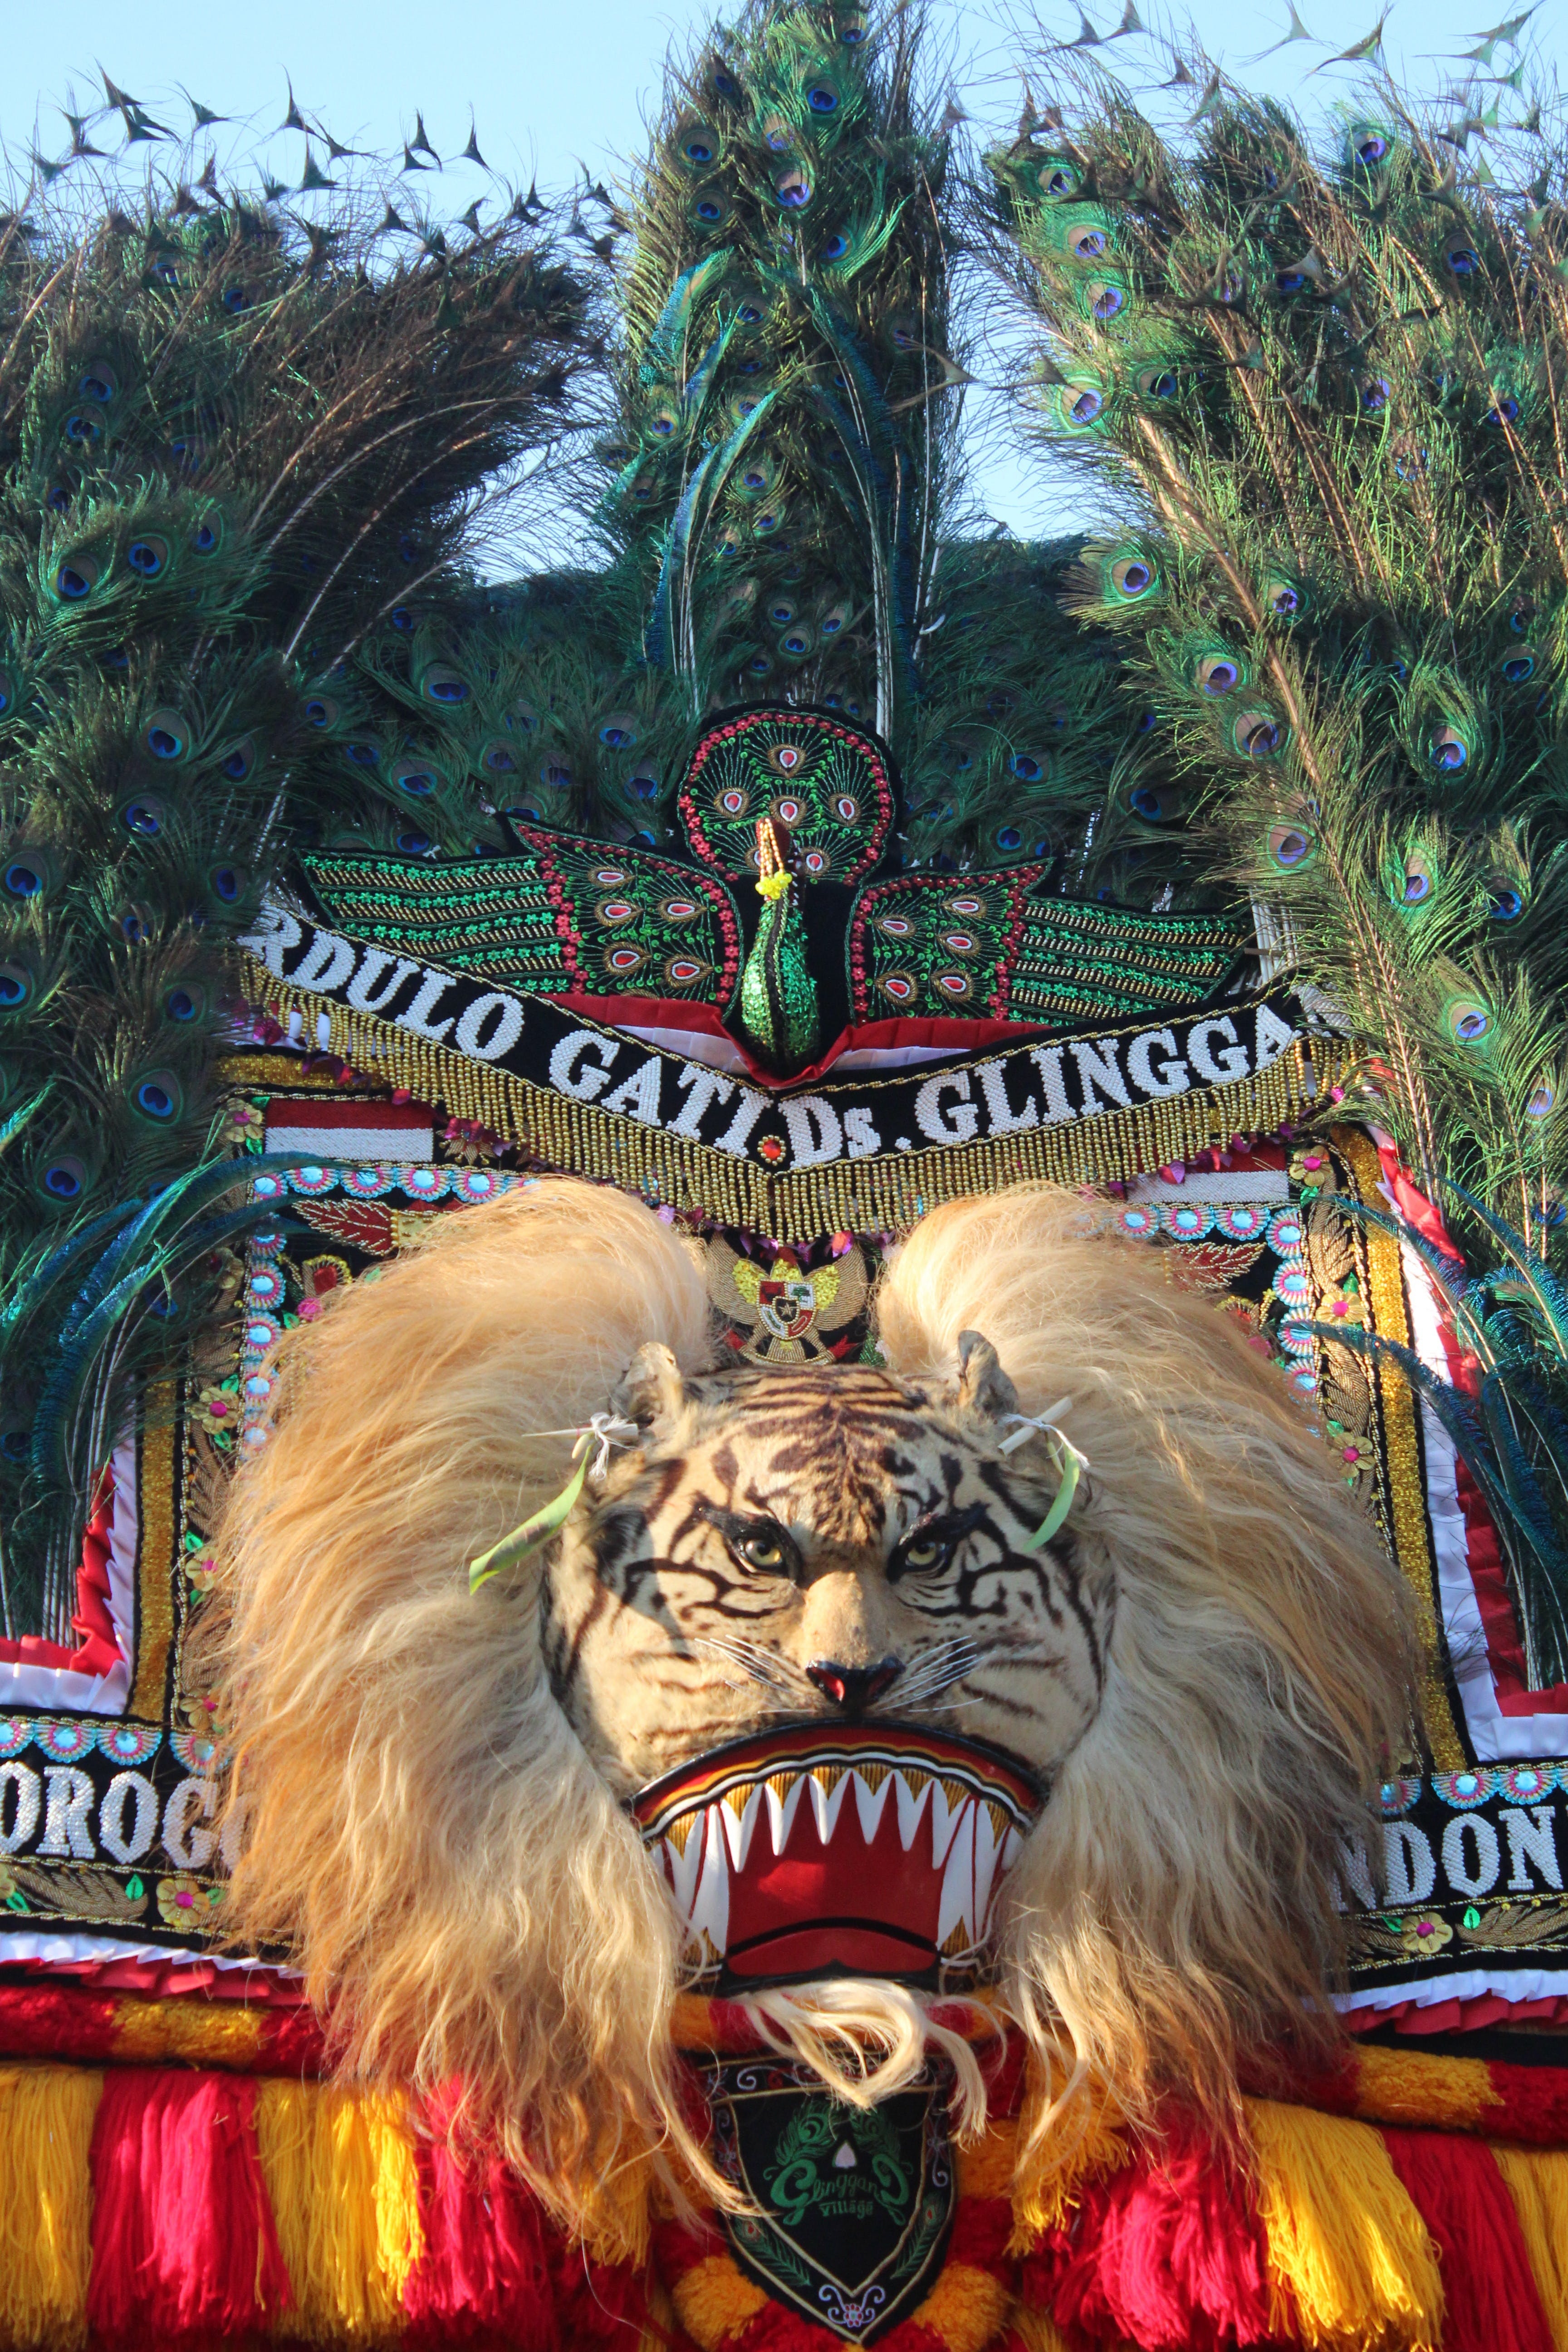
<point>854,1850</point>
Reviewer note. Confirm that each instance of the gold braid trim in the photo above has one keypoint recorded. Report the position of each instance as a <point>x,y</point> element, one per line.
<point>1409,1530</point>
<point>885,1193</point>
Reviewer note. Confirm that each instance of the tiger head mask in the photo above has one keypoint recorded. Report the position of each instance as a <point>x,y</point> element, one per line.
<point>1199,1674</point>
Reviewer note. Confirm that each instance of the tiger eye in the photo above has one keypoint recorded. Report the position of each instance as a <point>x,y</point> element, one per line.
<point>762,1552</point>
<point>926,1554</point>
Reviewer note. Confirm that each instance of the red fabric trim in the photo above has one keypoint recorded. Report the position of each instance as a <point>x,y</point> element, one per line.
<point>98,1650</point>
<point>883,1036</point>
<point>182,2236</point>
<point>1488,2288</point>
<point>1468,2016</point>
<point>156,1979</point>
<point>412,1119</point>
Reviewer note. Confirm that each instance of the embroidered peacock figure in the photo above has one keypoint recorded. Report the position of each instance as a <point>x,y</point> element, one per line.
<point>783,1490</point>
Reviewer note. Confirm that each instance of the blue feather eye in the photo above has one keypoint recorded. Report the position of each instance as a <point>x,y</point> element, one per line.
<point>148,557</point>
<point>1517,667</point>
<point>228,883</point>
<point>204,537</point>
<point>709,211</point>
<point>364,755</point>
<point>1506,412</point>
<point>1373,394</point>
<point>1087,244</point>
<point>25,878</point>
<point>86,430</point>
<point>1009,838</point>
<point>235,299</point>
<point>144,817</point>
<point>97,382</point>
<point>1147,803</point>
<point>1086,406</point>
<point>238,762</point>
<point>1541,1102</point>
<point>1462,260</point>
<point>697,150</point>
<point>414,844</point>
<point>644,784</point>
<point>1372,149</point>
<point>76,578</point>
<point>444,686</point>
<point>1290,845</point>
<point>159,1097</point>
<point>15,986</point>
<point>1449,751</point>
<point>1217,674</point>
<point>1258,735</point>
<point>184,1005</point>
<point>1131,577</point>
<point>1027,768</point>
<point>64,1180</point>
<point>418,782</point>
<point>822,97</point>
<point>1109,302</point>
<point>167,735</point>
<point>794,190</point>
<point>619,733</point>
<point>836,247</point>
<point>1505,905</point>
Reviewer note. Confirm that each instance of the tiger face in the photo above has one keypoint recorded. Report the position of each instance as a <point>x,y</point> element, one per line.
<point>837,1545</point>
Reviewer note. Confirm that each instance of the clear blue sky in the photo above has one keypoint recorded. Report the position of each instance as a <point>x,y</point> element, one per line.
<point>550,85</point>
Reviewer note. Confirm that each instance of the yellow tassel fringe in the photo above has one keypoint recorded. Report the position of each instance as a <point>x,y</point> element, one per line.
<point>46,2115</point>
<point>1537,2181</point>
<point>344,2191</point>
<point>1349,2257</point>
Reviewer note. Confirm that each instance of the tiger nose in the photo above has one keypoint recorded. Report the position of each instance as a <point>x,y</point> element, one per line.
<point>854,1688</point>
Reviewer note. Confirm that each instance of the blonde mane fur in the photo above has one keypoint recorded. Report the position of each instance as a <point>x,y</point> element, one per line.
<point>463,1893</point>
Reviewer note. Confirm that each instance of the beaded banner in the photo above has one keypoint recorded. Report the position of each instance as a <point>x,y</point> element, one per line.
<point>862,1153</point>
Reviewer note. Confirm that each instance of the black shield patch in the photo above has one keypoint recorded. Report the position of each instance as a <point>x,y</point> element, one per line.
<point>853,2207</point>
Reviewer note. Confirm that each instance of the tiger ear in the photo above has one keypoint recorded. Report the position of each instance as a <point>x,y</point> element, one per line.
<point>982,1387</point>
<point>651,1389</point>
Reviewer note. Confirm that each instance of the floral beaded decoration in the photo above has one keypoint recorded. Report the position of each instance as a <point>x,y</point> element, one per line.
<point>1002,943</point>
<point>828,784</point>
<point>571,916</point>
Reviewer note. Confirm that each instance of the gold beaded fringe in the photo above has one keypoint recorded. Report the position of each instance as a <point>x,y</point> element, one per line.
<point>885,1193</point>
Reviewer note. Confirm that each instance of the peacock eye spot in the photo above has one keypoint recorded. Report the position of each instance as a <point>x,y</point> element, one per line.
<point>1463,260</point>
<point>836,247</point>
<point>1506,905</point>
<point>821,98</point>
<point>1087,407</point>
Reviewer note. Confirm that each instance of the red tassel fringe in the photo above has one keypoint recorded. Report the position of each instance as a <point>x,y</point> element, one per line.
<point>1487,2284</point>
<point>182,2238</point>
